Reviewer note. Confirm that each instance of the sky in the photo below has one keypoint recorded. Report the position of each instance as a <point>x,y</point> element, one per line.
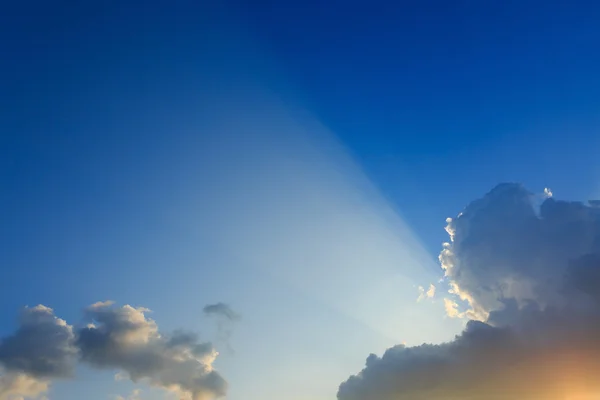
<point>250,201</point>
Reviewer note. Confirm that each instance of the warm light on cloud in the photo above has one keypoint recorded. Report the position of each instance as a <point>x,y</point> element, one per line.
<point>125,338</point>
<point>530,277</point>
<point>451,308</point>
<point>135,395</point>
<point>426,294</point>
<point>14,386</point>
<point>45,347</point>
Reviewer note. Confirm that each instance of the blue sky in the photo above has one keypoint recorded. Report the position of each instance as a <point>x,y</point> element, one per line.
<point>488,90</point>
<point>296,160</point>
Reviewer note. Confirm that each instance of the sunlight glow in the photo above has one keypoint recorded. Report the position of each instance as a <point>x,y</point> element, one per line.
<point>292,202</point>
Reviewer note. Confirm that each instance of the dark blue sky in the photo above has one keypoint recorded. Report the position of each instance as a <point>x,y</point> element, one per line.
<point>449,96</point>
<point>104,109</point>
<point>443,96</point>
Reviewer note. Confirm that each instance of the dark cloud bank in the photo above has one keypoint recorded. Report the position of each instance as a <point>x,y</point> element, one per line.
<point>529,279</point>
<point>123,339</point>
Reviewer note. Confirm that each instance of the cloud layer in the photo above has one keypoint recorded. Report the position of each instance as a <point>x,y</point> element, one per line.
<point>528,277</point>
<point>45,347</point>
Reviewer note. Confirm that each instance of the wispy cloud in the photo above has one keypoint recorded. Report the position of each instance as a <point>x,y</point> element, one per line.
<point>426,294</point>
<point>226,319</point>
<point>222,310</point>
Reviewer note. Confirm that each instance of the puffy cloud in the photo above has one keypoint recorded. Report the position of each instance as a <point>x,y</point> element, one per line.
<point>502,247</point>
<point>124,338</point>
<point>42,346</point>
<point>19,386</point>
<point>529,277</point>
<point>45,347</point>
<point>40,349</point>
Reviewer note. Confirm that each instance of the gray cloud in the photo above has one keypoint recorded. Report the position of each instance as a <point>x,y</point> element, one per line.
<point>42,346</point>
<point>529,277</point>
<point>124,338</point>
<point>221,309</point>
<point>46,347</point>
<point>226,317</point>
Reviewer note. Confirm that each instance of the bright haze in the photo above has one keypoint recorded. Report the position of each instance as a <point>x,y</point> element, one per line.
<point>299,200</point>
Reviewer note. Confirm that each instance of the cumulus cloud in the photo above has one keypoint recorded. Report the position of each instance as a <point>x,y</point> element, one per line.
<point>45,347</point>
<point>126,339</point>
<point>41,348</point>
<point>18,386</point>
<point>528,277</point>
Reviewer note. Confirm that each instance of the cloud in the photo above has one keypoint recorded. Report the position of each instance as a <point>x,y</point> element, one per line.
<point>18,386</point>
<point>426,294</point>
<point>135,395</point>
<point>451,307</point>
<point>41,348</point>
<point>124,338</point>
<point>45,347</point>
<point>226,319</point>
<point>529,279</point>
<point>223,310</point>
